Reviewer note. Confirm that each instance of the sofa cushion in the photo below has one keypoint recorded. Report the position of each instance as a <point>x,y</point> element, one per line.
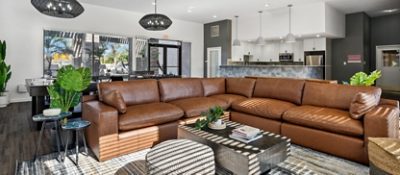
<point>213,86</point>
<point>285,89</point>
<point>229,98</point>
<point>140,116</point>
<point>361,104</point>
<point>263,107</point>
<point>240,86</point>
<point>180,88</point>
<point>334,95</point>
<point>326,119</point>
<point>115,100</point>
<point>193,107</point>
<point>133,92</point>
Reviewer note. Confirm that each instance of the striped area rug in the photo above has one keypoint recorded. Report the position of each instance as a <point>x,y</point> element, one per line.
<point>301,161</point>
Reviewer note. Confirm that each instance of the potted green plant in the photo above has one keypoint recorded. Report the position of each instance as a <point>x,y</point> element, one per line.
<point>212,119</point>
<point>5,75</point>
<point>66,90</point>
<point>363,79</point>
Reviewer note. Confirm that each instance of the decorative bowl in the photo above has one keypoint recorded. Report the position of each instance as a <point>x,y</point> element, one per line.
<point>51,112</point>
<point>216,126</point>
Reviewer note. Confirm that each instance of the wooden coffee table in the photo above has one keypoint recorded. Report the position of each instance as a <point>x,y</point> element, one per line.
<point>237,157</point>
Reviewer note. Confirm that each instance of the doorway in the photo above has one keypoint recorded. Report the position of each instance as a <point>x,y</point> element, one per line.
<point>165,59</point>
<point>213,61</point>
<point>388,61</point>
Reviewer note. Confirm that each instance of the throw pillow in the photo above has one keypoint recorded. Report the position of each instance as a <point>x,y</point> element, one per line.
<point>115,99</point>
<point>362,103</point>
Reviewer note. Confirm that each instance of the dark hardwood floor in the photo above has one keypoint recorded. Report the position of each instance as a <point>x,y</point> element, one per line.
<point>18,137</point>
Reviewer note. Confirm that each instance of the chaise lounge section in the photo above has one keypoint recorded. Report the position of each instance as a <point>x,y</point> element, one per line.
<point>134,115</point>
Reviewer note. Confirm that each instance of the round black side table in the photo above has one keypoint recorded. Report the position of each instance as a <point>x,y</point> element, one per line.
<point>78,126</point>
<point>56,120</point>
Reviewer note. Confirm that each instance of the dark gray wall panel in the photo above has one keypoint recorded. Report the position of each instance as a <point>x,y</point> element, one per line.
<point>224,40</point>
<point>385,30</point>
<point>355,43</point>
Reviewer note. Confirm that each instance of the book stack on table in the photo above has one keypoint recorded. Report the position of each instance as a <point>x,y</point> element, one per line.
<point>246,134</point>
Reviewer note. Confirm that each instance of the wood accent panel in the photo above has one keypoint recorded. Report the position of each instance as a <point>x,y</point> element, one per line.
<point>108,147</point>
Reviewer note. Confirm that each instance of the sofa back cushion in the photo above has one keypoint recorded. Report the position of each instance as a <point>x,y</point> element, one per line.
<point>285,89</point>
<point>179,88</point>
<point>133,92</point>
<point>240,86</point>
<point>334,95</point>
<point>213,86</point>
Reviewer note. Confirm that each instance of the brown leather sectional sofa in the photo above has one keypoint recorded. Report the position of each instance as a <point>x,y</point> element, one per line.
<point>134,115</point>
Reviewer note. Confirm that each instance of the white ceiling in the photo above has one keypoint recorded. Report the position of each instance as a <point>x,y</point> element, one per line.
<point>204,11</point>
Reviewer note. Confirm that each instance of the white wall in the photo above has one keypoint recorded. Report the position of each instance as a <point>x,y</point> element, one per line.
<point>335,22</point>
<point>22,27</point>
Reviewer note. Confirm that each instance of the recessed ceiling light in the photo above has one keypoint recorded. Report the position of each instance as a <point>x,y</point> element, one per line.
<point>214,16</point>
<point>318,35</point>
<point>189,10</point>
<point>153,3</point>
<point>266,5</point>
<point>280,37</point>
<point>390,10</point>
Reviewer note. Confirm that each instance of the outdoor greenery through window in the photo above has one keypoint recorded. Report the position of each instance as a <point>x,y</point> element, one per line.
<point>104,54</point>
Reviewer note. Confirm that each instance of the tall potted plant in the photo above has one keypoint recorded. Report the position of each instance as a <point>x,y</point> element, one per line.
<point>5,75</point>
<point>67,89</point>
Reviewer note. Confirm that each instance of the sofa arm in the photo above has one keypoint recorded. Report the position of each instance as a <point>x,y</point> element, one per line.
<point>389,102</point>
<point>382,121</point>
<point>102,134</point>
<point>104,117</point>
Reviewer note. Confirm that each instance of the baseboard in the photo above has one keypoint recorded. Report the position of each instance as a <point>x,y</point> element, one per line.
<point>19,100</point>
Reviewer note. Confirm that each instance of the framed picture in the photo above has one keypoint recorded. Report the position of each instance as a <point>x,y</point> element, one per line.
<point>214,31</point>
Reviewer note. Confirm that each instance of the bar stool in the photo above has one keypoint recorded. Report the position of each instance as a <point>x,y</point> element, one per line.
<point>78,126</point>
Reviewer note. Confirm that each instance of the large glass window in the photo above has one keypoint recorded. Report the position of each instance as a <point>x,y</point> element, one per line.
<point>104,54</point>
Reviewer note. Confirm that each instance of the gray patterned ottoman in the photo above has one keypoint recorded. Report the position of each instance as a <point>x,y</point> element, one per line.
<point>180,157</point>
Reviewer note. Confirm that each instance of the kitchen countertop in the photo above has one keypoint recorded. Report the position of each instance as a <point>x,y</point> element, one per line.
<point>267,66</point>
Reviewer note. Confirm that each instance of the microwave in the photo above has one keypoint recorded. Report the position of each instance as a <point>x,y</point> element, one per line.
<point>286,57</point>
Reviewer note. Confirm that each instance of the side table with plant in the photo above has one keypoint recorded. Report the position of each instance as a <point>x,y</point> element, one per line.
<point>66,90</point>
<point>5,75</point>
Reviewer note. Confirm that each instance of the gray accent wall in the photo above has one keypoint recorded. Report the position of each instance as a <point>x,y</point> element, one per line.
<point>356,42</point>
<point>224,40</point>
<point>385,30</point>
<point>186,59</point>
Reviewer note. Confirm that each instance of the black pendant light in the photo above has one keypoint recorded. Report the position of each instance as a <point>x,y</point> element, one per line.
<point>155,21</point>
<point>59,8</point>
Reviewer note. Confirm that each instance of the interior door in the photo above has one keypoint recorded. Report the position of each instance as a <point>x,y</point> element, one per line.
<point>165,59</point>
<point>172,61</point>
<point>387,60</point>
<point>213,61</point>
<point>156,59</point>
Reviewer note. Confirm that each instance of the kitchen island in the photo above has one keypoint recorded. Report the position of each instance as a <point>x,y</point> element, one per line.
<point>293,71</point>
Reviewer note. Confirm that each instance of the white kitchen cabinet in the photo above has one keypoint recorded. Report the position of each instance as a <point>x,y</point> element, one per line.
<point>286,47</point>
<point>298,52</point>
<point>314,44</point>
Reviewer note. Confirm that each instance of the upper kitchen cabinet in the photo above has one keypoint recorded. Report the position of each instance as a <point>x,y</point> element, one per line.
<point>314,44</point>
<point>307,20</point>
<point>286,47</point>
